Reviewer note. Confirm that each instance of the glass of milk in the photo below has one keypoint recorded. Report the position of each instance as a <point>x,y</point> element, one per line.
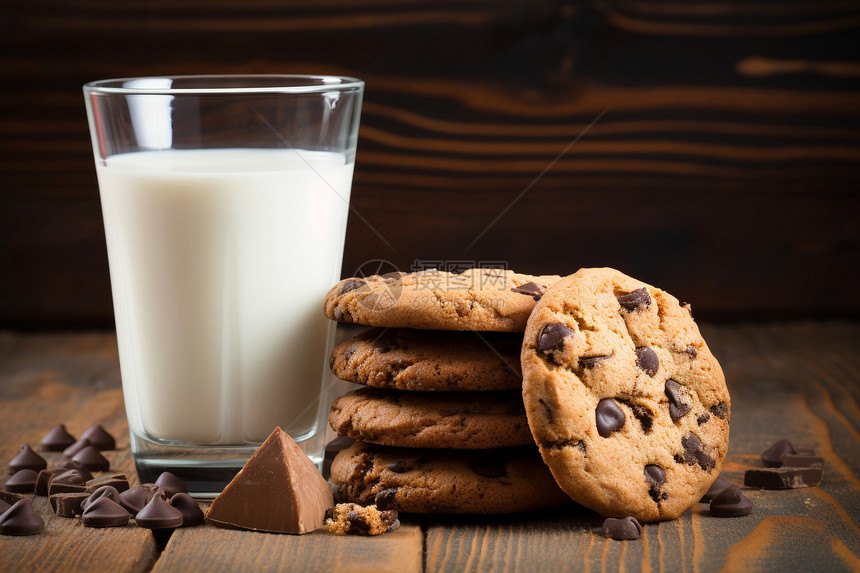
<point>225,202</point>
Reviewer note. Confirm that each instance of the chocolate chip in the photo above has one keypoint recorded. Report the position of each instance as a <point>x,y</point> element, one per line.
<point>158,514</point>
<point>643,414</point>
<point>609,417</point>
<point>104,513</point>
<point>351,285</point>
<point>191,512</point>
<point>57,439</point>
<point>590,362</point>
<point>655,475</point>
<point>720,410</point>
<point>170,483</point>
<point>532,289</point>
<point>552,337</point>
<point>620,529</point>
<point>631,301</point>
<point>136,498</point>
<point>730,503</point>
<point>26,459</point>
<point>489,468</point>
<point>691,352</point>
<point>647,361</point>
<point>76,447</point>
<point>389,518</point>
<point>21,519</point>
<point>677,406</point>
<point>107,491</point>
<point>383,350</point>
<point>99,438</point>
<point>394,275</point>
<point>772,457</point>
<point>4,506</point>
<point>702,418</point>
<point>92,460</point>
<point>386,499</point>
<point>357,523</point>
<point>350,350</point>
<point>719,485</point>
<point>694,453</point>
<point>22,481</point>
<point>399,467</point>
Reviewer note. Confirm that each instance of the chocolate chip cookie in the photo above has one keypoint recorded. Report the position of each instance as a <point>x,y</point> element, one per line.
<point>445,481</point>
<point>457,420</point>
<point>476,299</point>
<point>625,400</point>
<point>430,360</point>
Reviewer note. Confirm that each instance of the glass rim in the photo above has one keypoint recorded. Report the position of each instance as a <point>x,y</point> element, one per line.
<point>256,84</point>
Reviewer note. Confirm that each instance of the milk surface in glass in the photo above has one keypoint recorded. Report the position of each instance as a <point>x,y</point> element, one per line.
<point>220,261</point>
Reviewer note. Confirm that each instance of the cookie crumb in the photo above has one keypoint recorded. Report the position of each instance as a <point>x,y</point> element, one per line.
<point>354,519</point>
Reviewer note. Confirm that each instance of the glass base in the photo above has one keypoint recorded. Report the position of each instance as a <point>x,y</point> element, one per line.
<point>205,470</point>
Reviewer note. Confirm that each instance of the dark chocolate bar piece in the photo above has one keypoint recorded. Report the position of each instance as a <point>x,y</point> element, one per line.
<point>68,504</point>
<point>799,460</point>
<point>783,478</point>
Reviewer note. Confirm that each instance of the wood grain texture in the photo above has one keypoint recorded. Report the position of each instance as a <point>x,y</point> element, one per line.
<point>726,163</point>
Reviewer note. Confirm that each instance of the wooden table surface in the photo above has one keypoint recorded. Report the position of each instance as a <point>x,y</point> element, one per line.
<point>800,381</point>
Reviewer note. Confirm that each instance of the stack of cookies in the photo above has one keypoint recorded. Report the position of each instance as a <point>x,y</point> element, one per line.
<point>440,425</point>
<point>602,391</point>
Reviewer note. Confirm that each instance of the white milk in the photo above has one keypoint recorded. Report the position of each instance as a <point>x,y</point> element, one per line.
<point>220,261</point>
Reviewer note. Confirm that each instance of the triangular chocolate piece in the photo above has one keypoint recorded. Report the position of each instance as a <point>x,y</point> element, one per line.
<point>279,490</point>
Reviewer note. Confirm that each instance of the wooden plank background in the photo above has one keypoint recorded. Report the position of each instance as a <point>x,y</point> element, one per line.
<point>724,166</point>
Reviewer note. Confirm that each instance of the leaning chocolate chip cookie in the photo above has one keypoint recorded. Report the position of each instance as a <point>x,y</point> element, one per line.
<point>627,404</point>
<point>445,481</point>
<point>476,299</point>
<point>458,420</point>
<point>430,360</point>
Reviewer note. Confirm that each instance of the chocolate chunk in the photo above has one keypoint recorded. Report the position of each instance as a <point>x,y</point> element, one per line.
<point>91,460</point>
<point>136,498</point>
<point>44,478</point>
<point>719,485</point>
<point>68,504</point>
<point>691,351</point>
<point>279,490</point>
<point>701,418</point>
<point>386,499</point>
<point>171,484</point>
<point>158,514</point>
<point>76,447</point>
<point>57,439</point>
<point>647,361</point>
<point>639,298</point>
<point>351,285</point>
<point>730,503</point>
<point>107,491</point>
<point>357,523</point>
<point>625,528</point>
<point>104,513</point>
<point>694,453</point>
<point>644,415</point>
<point>69,481</point>
<point>26,459</point>
<point>552,337</point>
<point>350,350</point>
<point>590,362</point>
<point>191,512</point>
<point>21,519</point>
<point>394,275</point>
<point>720,410</point>
<point>389,518</point>
<point>118,481</point>
<point>99,438</point>
<point>799,460</point>
<point>489,468</point>
<point>678,406</point>
<point>655,475</point>
<point>22,481</point>
<point>609,417</point>
<point>772,457</point>
<point>399,467</point>
<point>783,478</point>
<point>531,289</point>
